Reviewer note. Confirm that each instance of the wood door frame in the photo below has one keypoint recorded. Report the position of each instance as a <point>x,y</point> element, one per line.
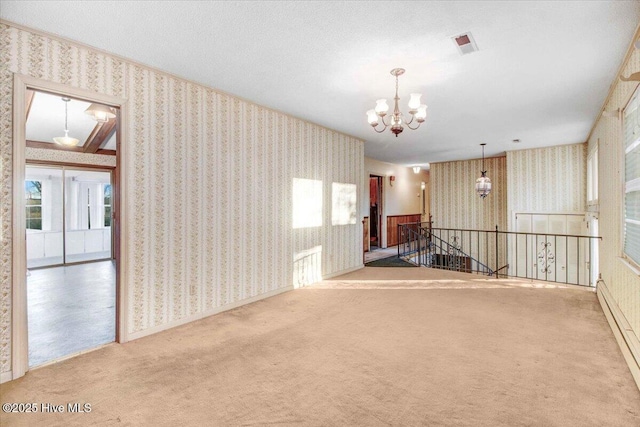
<point>19,327</point>
<point>381,206</point>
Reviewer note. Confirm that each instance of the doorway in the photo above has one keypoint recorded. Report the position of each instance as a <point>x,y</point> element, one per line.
<point>67,263</point>
<point>70,307</point>
<point>375,211</point>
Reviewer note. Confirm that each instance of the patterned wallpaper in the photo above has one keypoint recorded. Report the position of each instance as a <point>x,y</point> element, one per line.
<point>210,177</point>
<point>454,201</point>
<point>551,179</point>
<point>61,156</point>
<point>621,281</point>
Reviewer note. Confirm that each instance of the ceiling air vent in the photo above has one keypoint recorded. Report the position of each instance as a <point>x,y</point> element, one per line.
<point>465,43</point>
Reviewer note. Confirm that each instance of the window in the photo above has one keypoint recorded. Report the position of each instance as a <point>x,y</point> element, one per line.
<point>632,179</point>
<point>34,204</point>
<point>107,205</point>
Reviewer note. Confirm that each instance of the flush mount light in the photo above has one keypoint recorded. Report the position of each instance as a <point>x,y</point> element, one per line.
<point>66,140</point>
<point>417,111</point>
<point>100,113</point>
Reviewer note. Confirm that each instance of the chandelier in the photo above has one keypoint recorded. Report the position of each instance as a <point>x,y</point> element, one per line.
<point>66,140</point>
<point>417,111</point>
<point>483,184</point>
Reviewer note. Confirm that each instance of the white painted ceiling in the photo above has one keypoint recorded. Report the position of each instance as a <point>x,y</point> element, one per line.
<point>541,75</point>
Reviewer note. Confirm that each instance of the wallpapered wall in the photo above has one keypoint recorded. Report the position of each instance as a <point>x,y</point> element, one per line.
<point>454,201</point>
<point>551,179</point>
<point>210,183</point>
<point>621,281</point>
<point>45,155</point>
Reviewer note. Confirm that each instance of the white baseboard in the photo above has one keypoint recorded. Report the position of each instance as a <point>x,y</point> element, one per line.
<point>340,273</point>
<point>202,315</point>
<point>626,338</point>
<point>6,376</point>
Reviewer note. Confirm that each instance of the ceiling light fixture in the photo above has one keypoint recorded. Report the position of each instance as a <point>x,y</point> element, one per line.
<point>416,169</point>
<point>66,140</point>
<point>100,113</point>
<point>483,184</point>
<point>418,111</point>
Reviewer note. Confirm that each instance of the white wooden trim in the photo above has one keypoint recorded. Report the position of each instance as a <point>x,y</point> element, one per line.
<point>627,340</point>
<point>19,337</point>
<point>19,327</point>
<point>202,315</point>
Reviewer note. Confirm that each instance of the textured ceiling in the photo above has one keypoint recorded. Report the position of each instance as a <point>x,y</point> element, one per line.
<point>541,75</point>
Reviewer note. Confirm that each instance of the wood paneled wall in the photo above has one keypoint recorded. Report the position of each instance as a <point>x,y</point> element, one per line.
<point>392,226</point>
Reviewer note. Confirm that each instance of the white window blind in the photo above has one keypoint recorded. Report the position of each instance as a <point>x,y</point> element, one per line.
<point>632,179</point>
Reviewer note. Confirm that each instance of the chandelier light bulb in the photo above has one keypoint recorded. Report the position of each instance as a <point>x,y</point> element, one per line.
<point>414,101</point>
<point>382,107</point>
<point>372,117</point>
<point>421,114</point>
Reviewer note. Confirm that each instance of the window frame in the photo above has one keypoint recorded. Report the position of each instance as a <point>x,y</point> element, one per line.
<point>29,207</point>
<point>105,206</point>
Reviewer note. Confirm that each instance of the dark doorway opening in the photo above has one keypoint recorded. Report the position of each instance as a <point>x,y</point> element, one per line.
<point>375,211</point>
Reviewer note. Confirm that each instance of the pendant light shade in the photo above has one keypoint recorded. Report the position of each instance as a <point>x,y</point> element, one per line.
<point>66,140</point>
<point>483,184</point>
<point>100,113</point>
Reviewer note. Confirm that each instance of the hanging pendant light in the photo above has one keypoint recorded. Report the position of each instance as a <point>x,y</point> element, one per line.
<point>100,113</point>
<point>66,140</point>
<point>483,184</point>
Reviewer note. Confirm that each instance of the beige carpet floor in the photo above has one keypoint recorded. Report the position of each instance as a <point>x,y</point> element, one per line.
<point>426,348</point>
